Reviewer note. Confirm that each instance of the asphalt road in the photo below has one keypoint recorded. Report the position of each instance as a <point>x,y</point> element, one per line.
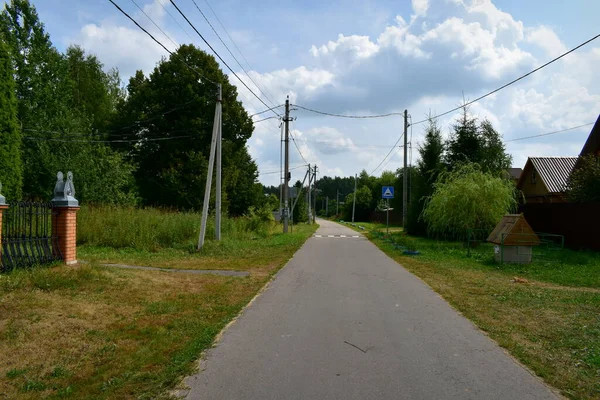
<point>344,321</point>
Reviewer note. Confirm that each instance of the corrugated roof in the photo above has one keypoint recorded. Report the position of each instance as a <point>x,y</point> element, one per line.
<point>554,171</point>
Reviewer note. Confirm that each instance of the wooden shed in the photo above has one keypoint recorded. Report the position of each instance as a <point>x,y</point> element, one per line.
<point>514,239</point>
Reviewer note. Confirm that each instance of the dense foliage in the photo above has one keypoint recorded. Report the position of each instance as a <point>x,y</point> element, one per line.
<point>584,182</point>
<point>145,144</point>
<point>467,198</point>
<point>11,172</point>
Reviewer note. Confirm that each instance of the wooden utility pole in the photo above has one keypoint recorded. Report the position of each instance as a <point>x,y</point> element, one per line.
<point>286,171</point>
<point>354,199</point>
<point>209,174</point>
<point>405,173</point>
<point>218,180</point>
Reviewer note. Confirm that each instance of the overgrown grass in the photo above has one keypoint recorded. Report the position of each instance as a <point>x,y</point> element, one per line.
<point>152,229</point>
<point>551,324</point>
<point>97,332</point>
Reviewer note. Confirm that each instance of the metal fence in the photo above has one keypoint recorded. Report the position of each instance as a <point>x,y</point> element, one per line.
<point>27,236</point>
<point>548,250</point>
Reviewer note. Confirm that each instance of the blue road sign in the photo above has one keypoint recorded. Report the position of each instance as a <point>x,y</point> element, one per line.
<point>387,192</point>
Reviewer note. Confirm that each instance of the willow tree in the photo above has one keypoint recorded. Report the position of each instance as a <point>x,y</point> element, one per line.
<point>467,198</point>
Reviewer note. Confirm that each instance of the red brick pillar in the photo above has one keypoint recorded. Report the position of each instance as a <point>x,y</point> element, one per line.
<point>64,228</point>
<point>64,218</point>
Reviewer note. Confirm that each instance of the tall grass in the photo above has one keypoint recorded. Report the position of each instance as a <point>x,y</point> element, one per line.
<point>152,229</point>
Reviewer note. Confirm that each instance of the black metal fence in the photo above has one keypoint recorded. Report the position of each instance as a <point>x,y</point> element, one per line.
<point>27,236</point>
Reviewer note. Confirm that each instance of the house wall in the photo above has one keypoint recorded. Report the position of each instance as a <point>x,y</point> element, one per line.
<point>537,192</point>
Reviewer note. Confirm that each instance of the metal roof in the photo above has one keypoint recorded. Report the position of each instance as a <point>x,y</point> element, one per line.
<point>554,171</point>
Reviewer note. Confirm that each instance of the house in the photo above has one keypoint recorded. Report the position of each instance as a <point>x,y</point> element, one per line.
<point>544,179</point>
<point>514,174</point>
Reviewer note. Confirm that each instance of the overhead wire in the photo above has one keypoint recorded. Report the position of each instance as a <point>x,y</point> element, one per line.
<point>175,20</point>
<point>511,82</point>
<point>388,154</point>
<point>296,144</point>
<point>230,52</point>
<point>549,133</point>
<point>231,39</point>
<point>267,110</point>
<point>221,58</point>
<point>155,24</point>
<point>346,116</point>
<point>159,43</point>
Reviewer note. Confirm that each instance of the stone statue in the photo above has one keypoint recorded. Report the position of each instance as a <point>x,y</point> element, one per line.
<point>64,191</point>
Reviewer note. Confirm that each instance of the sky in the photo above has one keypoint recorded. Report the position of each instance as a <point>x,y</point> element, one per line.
<point>370,57</point>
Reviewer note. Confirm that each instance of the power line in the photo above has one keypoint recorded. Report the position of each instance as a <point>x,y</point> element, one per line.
<point>264,111</point>
<point>159,43</point>
<point>549,133</point>
<point>230,52</point>
<point>276,172</point>
<point>221,58</point>
<point>265,119</point>
<point>388,154</point>
<point>174,19</point>
<point>101,141</point>
<point>512,82</point>
<point>296,144</point>
<point>346,116</point>
<point>230,38</point>
<point>155,24</point>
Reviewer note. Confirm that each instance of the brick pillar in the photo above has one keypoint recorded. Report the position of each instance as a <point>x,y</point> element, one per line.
<point>64,228</point>
<point>64,218</point>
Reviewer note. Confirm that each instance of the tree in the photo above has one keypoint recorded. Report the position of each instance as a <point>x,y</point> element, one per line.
<point>464,144</point>
<point>364,204</point>
<point>584,182</point>
<point>467,198</point>
<point>477,143</point>
<point>493,157</point>
<point>11,170</point>
<point>94,93</point>
<point>173,172</point>
<point>429,166</point>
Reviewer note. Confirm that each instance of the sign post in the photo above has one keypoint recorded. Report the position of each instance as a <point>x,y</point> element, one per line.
<point>387,192</point>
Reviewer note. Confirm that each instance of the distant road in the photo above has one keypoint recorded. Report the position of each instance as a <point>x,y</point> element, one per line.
<point>344,321</point>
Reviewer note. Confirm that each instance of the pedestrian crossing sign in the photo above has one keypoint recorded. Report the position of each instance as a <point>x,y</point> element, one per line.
<point>387,192</point>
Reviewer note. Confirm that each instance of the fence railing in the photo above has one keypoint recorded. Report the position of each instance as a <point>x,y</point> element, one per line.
<point>27,235</point>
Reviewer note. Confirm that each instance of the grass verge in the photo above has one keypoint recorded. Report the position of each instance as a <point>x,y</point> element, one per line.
<point>106,333</point>
<point>551,324</point>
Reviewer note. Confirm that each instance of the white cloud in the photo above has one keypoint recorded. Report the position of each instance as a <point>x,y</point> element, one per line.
<point>547,39</point>
<point>118,46</point>
<point>420,7</point>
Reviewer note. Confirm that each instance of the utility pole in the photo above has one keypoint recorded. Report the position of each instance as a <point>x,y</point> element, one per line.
<point>286,177</point>
<point>281,173</point>
<point>354,199</point>
<point>308,198</point>
<point>218,180</point>
<point>315,195</point>
<point>405,174</point>
<point>327,207</point>
<point>337,202</point>
<point>209,174</point>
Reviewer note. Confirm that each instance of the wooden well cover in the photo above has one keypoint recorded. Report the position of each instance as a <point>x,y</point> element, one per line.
<point>515,230</point>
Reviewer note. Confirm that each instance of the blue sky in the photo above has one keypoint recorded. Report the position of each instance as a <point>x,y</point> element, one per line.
<point>363,57</point>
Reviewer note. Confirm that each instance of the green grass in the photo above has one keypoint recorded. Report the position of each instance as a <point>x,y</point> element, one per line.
<point>152,229</point>
<point>97,332</point>
<point>551,324</point>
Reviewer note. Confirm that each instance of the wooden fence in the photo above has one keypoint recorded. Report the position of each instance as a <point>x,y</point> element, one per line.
<point>579,223</point>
